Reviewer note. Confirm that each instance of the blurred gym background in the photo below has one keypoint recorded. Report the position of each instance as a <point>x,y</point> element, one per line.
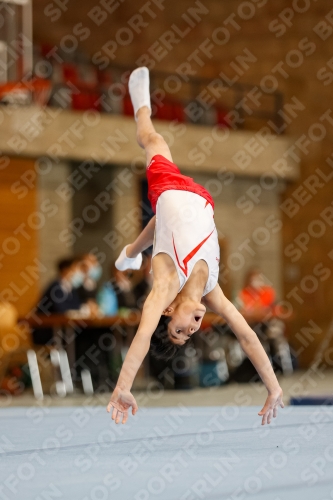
<point>241,91</point>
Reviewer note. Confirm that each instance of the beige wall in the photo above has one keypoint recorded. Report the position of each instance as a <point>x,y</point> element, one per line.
<point>62,134</point>
<point>254,239</point>
<point>51,248</point>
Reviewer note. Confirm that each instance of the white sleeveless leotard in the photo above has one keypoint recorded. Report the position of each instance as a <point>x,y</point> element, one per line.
<point>185,230</point>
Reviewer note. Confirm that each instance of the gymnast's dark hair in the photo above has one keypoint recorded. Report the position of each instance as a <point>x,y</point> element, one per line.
<point>161,346</point>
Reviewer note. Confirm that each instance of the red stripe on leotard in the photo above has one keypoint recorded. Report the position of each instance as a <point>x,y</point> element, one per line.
<point>190,255</point>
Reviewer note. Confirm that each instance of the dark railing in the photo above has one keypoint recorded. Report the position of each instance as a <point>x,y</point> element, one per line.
<point>79,84</point>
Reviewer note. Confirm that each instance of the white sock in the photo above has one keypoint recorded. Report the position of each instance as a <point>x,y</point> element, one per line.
<point>138,85</point>
<point>123,262</point>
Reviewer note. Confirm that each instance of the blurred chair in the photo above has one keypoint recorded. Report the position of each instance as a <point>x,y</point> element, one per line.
<point>15,340</point>
<point>17,349</point>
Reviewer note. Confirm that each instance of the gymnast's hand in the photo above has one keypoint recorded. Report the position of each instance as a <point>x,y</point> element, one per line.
<point>271,405</point>
<point>121,400</point>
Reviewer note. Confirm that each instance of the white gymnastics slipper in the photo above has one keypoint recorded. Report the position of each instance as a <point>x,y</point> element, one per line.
<point>138,85</point>
<point>123,262</point>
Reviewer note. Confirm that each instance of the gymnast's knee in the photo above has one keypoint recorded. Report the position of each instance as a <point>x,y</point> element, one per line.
<point>153,139</point>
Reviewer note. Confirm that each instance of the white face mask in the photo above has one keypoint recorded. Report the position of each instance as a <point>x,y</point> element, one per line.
<point>257,282</point>
<point>77,279</point>
<point>95,272</point>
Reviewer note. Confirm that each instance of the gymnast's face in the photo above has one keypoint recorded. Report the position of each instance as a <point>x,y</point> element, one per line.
<point>186,319</point>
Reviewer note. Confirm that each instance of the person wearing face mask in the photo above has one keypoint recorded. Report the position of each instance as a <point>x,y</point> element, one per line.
<point>92,272</point>
<point>255,301</point>
<point>94,338</point>
<point>256,297</point>
<point>60,296</point>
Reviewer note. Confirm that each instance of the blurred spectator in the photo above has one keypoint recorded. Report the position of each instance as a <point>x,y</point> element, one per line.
<point>59,296</point>
<point>107,298</point>
<point>124,289</point>
<point>256,297</point>
<point>93,345</point>
<point>117,293</point>
<point>256,302</point>
<point>116,297</point>
<point>92,272</point>
<point>93,338</point>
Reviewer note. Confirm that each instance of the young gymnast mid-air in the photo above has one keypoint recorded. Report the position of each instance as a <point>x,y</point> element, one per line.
<point>185,266</point>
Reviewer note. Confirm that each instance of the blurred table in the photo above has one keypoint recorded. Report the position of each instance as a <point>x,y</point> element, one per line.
<point>66,327</point>
<point>70,324</point>
<point>58,320</point>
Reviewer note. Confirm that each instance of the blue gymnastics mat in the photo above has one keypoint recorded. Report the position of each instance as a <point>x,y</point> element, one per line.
<point>312,400</point>
<point>180,453</point>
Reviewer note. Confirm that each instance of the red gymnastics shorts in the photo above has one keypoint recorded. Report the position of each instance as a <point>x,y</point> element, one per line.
<point>163,175</point>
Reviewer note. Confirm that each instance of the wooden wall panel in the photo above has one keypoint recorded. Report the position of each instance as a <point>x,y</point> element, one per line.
<point>18,237</point>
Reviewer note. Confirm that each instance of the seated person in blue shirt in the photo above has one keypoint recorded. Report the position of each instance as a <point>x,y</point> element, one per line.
<point>117,294</point>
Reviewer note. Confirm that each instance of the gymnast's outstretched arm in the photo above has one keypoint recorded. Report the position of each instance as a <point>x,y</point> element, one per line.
<point>163,293</point>
<point>219,304</point>
<point>121,399</point>
<point>143,241</point>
